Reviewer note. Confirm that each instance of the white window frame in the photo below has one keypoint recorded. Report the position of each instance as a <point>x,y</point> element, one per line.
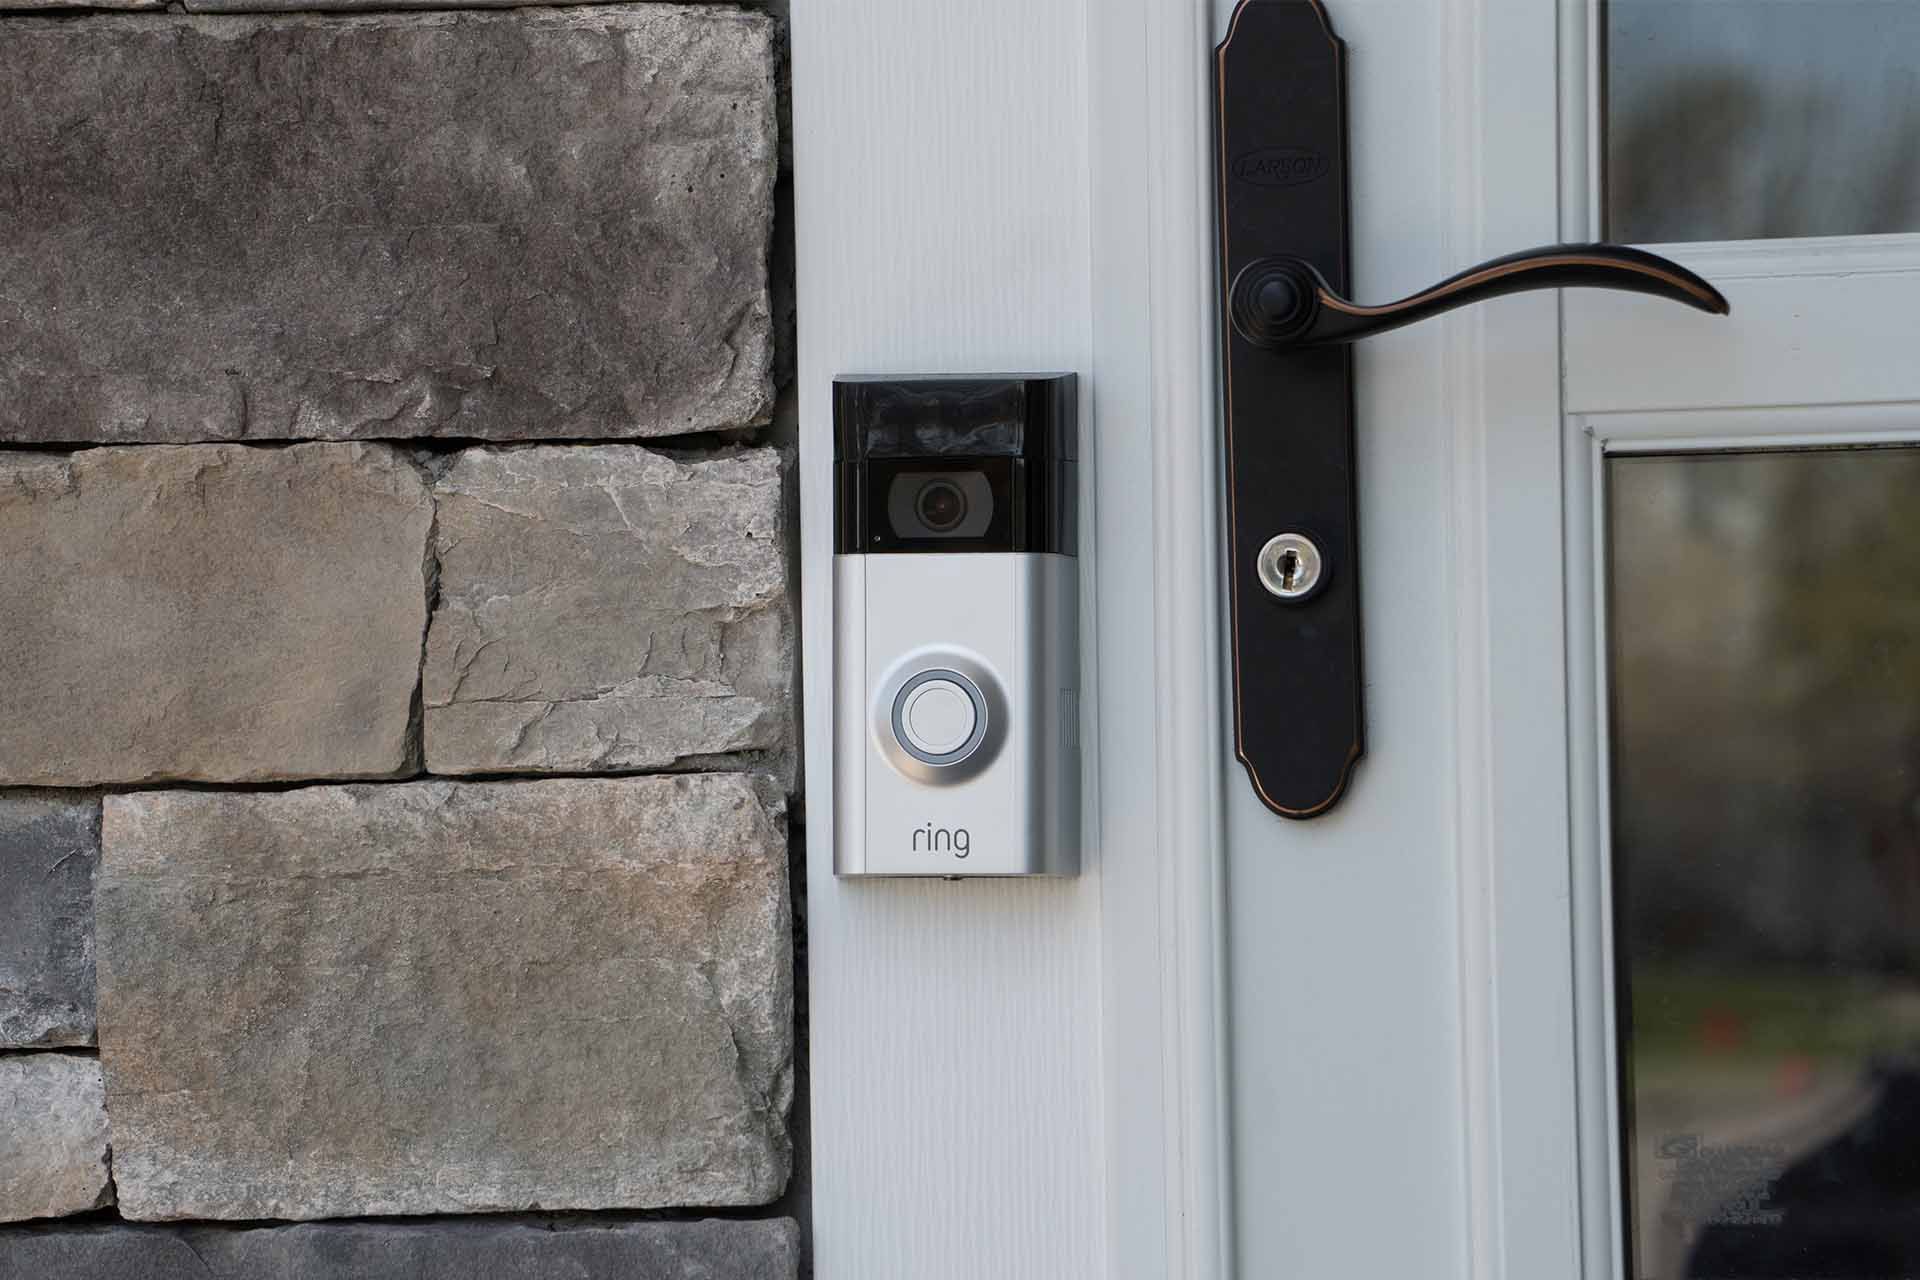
<point>1543,1120</point>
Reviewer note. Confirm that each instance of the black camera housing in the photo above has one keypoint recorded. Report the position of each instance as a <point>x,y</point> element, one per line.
<point>955,464</point>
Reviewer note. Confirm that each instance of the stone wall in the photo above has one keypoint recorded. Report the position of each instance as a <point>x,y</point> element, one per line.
<point>394,750</point>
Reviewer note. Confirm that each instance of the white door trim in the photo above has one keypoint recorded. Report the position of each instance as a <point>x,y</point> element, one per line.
<point>1510,61</point>
<point>941,224</point>
<point>1189,622</point>
<point>1169,1198</point>
<point>1025,1079</point>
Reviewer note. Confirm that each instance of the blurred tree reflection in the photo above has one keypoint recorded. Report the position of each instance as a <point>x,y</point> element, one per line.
<point>1767,665</point>
<point>1757,119</point>
<point>1764,656</point>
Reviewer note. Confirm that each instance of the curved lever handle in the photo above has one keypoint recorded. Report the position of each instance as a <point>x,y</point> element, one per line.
<point>1281,302</point>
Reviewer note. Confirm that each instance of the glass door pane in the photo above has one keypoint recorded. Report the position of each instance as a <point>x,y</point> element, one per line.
<point>1764,678</point>
<point>1752,119</point>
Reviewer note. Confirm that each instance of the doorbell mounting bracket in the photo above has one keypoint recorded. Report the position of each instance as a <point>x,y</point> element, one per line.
<point>956,743</point>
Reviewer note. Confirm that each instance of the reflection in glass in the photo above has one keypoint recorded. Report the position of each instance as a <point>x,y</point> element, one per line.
<point>1764,670</point>
<point>1753,119</point>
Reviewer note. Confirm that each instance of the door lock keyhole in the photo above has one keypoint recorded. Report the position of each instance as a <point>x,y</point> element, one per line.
<point>1290,566</point>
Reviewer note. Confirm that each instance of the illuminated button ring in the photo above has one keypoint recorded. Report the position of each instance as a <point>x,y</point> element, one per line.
<point>940,725</point>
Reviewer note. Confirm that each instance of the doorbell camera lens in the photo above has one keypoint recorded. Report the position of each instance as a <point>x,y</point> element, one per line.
<point>941,505</point>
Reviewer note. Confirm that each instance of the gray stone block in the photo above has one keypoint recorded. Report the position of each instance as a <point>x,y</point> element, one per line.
<point>49,847</point>
<point>444,997</point>
<point>53,1136</point>
<point>532,224</point>
<point>219,613</point>
<point>30,5</point>
<point>352,6</point>
<point>704,1250</point>
<point>607,608</point>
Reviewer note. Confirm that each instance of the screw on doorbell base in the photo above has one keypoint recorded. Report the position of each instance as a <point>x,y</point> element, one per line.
<point>1291,567</point>
<point>940,716</point>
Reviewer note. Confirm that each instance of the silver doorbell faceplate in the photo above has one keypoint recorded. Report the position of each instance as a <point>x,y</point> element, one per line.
<point>956,631</point>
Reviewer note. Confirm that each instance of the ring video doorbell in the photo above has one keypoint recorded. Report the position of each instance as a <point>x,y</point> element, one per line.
<point>957,639</point>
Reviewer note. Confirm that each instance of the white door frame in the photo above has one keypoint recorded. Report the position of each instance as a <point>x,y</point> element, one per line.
<point>1025,1079</point>
<point>1149,91</point>
<point>1031,1079</point>
<point>1515,754</point>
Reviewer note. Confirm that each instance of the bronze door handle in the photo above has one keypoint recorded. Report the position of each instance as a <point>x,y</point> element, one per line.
<point>1280,157</point>
<point>1278,301</point>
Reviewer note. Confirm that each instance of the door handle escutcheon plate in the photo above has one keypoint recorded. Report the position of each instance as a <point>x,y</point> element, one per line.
<point>1286,328</point>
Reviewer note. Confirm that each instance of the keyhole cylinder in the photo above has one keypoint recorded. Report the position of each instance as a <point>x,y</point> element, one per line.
<point>1291,567</point>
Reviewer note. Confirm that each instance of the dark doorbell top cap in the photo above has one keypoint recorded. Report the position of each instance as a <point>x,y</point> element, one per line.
<point>1011,415</point>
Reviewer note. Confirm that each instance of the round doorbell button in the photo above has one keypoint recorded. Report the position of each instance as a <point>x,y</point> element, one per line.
<point>939,717</point>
